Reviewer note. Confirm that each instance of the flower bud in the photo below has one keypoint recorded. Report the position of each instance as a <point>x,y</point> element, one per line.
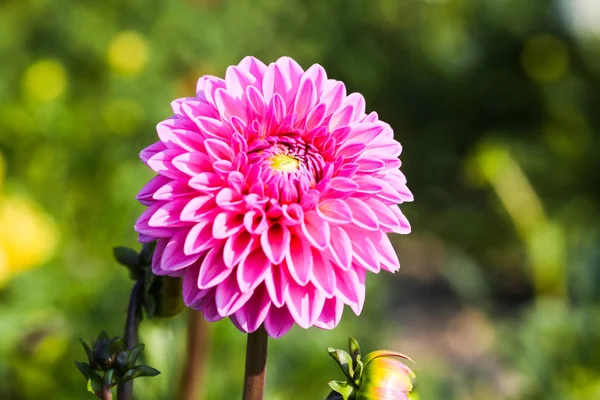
<point>385,378</point>
<point>379,376</point>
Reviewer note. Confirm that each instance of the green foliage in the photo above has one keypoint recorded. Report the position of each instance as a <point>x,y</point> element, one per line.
<point>114,360</point>
<point>481,93</point>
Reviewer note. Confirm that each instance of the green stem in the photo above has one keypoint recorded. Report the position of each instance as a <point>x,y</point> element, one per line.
<point>134,316</point>
<point>256,365</point>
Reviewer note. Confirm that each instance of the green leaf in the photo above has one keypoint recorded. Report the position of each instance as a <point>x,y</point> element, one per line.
<point>126,256</point>
<point>344,388</point>
<point>95,387</point>
<point>108,377</point>
<point>354,348</point>
<point>88,351</point>
<point>102,336</point>
<point>117,344</point>
<point>134,354</point>
<point>344,360</point>
<point>85,369</point>
<point>140,371</point>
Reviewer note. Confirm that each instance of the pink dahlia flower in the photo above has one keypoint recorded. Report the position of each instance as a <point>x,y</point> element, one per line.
<point>274,194</point>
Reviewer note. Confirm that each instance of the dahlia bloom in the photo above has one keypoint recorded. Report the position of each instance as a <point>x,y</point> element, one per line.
<point>273,197</point>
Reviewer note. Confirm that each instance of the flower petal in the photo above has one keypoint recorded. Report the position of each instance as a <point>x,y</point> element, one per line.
<point>316,230</point>
<point>275,242</point>
<point>252,270</point>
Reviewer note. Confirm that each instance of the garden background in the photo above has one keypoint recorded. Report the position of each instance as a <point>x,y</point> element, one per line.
<point>497,105</point>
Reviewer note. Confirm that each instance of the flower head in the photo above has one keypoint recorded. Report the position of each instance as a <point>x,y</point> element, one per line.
<point>274,194</point>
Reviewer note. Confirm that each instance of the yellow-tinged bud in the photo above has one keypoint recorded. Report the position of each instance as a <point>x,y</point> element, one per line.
<point>381,375</point>
<point>385,378</point>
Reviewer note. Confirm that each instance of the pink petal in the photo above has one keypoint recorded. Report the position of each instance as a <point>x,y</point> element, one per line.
<point>385,251</point>
<point>167,216</point>
<point>316,230</point>
<point>277,283</point>
<point>306,98</point>
<point>227,224</point>
<point>299,260</point>
<point>199,238</point>
<point>206,182</point>
<point>161,163</point>
<point>156,257</point>
<point>256,222</point>
<point>348,287</point>
<point>145,194</point>
<point>218,150</point>
<point>331,315</point>
<point>362,215</point>
<point>251,316</point>
<point>365,253</point>
<point>341,247</point>
<point>152,150</point>
<point>322,274</point>
<point>213,270</point>
<point>197,208</point>
<point>142,225</point>
<point>335,211</point>
<point>191,293</point>
<point>173,190</point>
<point>254,66</point>
<point>275,242</point>
<point>229,298</point>
<point>252,270</point>
<point>229,106</point>
<point>237,79</point>
<point>192,163</point>
<point>305,304</point>
<point>173,257</point>
<point>278,322</point>
<point>237,247</point>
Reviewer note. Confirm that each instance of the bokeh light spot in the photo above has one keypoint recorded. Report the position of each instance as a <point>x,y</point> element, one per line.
<point>123,116</point>
<point>45,80</point>
<point>545,58</point>
<point>28,237</point>
<point>128,52</point>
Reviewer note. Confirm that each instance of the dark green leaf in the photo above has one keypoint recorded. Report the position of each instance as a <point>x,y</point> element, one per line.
<point>140,371</point>
<point>88,351</point>
<point>85,369</point>
<point>134,354</point>
<point>126,256</point>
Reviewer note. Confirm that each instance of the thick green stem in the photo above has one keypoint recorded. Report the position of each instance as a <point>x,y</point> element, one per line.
<point>134,316</point>
<point>256,365</point>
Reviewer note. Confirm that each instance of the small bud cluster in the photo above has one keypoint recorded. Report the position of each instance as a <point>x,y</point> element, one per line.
<point>110,363</point>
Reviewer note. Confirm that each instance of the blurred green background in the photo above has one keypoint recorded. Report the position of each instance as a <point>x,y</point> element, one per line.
<point>495,101</point>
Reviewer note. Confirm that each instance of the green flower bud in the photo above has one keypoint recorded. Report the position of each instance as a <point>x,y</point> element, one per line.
<point>379,376</point>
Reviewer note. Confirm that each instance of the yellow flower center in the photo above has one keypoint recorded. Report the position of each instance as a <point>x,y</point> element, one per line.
<point>284,163</point>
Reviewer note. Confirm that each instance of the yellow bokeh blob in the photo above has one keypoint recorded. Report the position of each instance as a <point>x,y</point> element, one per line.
<point>128,52</point>
<point>28,237</point>
<point>545,58</point>
<point>45,80</point>
<point>2,170</point>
